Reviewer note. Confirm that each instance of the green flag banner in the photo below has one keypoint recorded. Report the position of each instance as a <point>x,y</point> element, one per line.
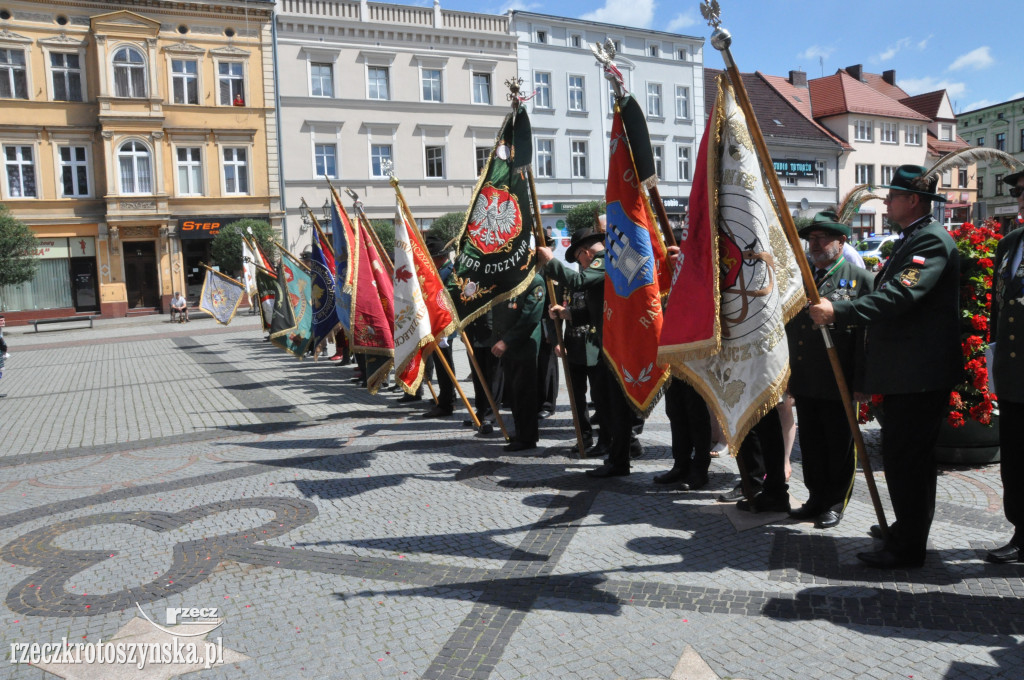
<point>495,259</point>
<point>292,326</point>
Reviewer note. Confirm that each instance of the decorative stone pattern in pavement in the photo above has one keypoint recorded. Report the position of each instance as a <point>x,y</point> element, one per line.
<point>398,547</point>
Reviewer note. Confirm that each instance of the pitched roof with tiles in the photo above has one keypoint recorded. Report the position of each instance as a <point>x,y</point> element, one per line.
<point>927,104</point>
<point>940,148</point>
<point>777,117</point>
<point>841,93</point>
<point>880,84</point>
<point>800,99</point>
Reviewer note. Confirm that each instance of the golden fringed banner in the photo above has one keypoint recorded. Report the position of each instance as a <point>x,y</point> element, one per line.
<point>738,360</point>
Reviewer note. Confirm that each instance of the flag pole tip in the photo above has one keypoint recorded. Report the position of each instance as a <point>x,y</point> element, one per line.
<point>721,39</point>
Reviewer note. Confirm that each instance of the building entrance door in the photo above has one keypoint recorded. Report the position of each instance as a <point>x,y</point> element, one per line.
<point>83,284</point>
<point>140,275</point>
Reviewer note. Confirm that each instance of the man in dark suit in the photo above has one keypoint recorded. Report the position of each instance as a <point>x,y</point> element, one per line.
<point>826,441</point>
<point>1007,334</point>
<point>587,247</point>
<point>517,340</point>
<point>912,357</point>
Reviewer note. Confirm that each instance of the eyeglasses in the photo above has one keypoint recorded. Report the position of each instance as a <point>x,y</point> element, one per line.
<point>1015,192</point>
<point>822,238</point>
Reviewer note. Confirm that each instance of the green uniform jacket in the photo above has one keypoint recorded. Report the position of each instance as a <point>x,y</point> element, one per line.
<point>912,339</point>
<point>1007,325</point>
<point>585,317</point>
<point>812,374</point>
<point>517,320</point>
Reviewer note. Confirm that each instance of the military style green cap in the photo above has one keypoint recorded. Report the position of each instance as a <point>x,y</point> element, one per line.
<point>828,221</point>
<point>912,178</point>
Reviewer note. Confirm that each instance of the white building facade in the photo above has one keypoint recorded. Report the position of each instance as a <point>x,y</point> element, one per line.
<point>363,83</point>
<point>1000,126</point>
<point>571,110</point>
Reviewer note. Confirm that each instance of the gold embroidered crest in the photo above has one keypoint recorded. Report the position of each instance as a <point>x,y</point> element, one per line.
<point>910,276</point>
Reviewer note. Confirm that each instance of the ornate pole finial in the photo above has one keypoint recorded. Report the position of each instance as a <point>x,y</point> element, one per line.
<point>605,55</point>
<point>711,12</point>
<point>515,92</point>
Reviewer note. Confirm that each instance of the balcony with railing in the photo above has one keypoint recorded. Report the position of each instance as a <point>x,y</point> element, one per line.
<point>400,15</point>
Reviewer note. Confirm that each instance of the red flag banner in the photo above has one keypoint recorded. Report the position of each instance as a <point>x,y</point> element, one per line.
<point>737,282</point>
<point>373,317</point>
<point>636,253</point>
<point>423,309</point>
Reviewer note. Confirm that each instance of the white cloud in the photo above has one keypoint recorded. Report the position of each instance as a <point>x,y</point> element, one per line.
<point>976,59</point>
<point>638,13</point>
<point>519,5</point>
<point>918,85</point>
<point>680,22</point>
<point>902,43</point>
<point>921,45</point>
<point>815,51</point>
<point>980,104</point>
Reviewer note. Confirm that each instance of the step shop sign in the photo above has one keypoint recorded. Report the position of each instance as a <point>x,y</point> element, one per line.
<point>208,226</point>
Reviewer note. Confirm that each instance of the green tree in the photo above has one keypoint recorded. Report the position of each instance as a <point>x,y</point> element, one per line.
<point>385,230</point>
<point>583,215</point>
<point>448,225</point>
<point>18,246</point>
<point>226,249</point>
<point>886,249</point>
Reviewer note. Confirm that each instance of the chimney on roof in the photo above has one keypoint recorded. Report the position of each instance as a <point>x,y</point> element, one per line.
<point>889,77</point>
<point>798,78</point>
<point>855,71</point>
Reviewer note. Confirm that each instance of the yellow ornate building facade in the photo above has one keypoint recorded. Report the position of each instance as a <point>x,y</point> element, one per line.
<point>130,131</point>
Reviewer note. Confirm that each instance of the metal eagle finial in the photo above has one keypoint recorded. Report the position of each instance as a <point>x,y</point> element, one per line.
<point>515,88</point>
<point>711,12</point>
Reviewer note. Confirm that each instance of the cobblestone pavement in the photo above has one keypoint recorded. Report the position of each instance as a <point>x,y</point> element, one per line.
<point>340,535</point>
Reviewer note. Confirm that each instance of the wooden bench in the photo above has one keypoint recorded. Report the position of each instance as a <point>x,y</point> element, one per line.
<point>64,319</point>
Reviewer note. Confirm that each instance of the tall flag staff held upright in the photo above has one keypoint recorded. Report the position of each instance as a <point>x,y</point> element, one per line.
<point>519,119</point>
<point>721,40</point>
<point>637,266</point>
<point>422,275</point>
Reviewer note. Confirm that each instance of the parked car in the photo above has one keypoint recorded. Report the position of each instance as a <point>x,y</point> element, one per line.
<point>872,246</point>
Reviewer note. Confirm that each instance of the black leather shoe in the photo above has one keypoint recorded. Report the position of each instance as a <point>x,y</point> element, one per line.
<point>636,449</point>
<point>1010,552</point>
<point>805,511</point>
<point>519,446</point>
<point>607,470</point>
<point>673,476</point>
<point>485,428</point>
<point>827,519</point>
<point>406,398</point>
<point>886,559</point>
<point>732,496</point>
<point>876,532</point>
<point>544,414</point>
<point>694,481</point>
<point>599,451</point>
<point>763,503</point>
<point>437,412</point>
<point>588,443</point>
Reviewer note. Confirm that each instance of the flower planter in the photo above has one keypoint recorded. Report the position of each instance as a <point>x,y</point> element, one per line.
<point>972,444</point>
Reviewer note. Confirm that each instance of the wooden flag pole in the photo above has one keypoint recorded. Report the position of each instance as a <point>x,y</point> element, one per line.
<point>721,40</point>
<point>469,348</point>
<point>538,235</point>
<point>433,394</point>
<point>448,369</point>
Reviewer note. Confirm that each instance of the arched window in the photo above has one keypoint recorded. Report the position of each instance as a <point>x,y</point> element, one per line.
<point>135,168</point>
<point>129,73</point>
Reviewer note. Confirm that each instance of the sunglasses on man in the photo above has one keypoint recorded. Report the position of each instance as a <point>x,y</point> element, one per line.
<point>1016,191</point>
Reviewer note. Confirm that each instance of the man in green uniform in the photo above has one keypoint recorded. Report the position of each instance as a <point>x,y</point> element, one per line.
<point>517,341</point>
<point>912,357</point>
<point>826,441</point>
<point>1007,333</point>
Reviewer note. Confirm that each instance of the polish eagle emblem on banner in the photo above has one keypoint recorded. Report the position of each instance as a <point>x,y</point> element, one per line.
<point>495,220</point>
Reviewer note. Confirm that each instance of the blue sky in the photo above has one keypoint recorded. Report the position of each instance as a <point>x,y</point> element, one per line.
<point>973,50</point>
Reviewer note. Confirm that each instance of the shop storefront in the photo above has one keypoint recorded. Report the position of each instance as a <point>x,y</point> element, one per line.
<point>66,280</point>
<point>196,234</point>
